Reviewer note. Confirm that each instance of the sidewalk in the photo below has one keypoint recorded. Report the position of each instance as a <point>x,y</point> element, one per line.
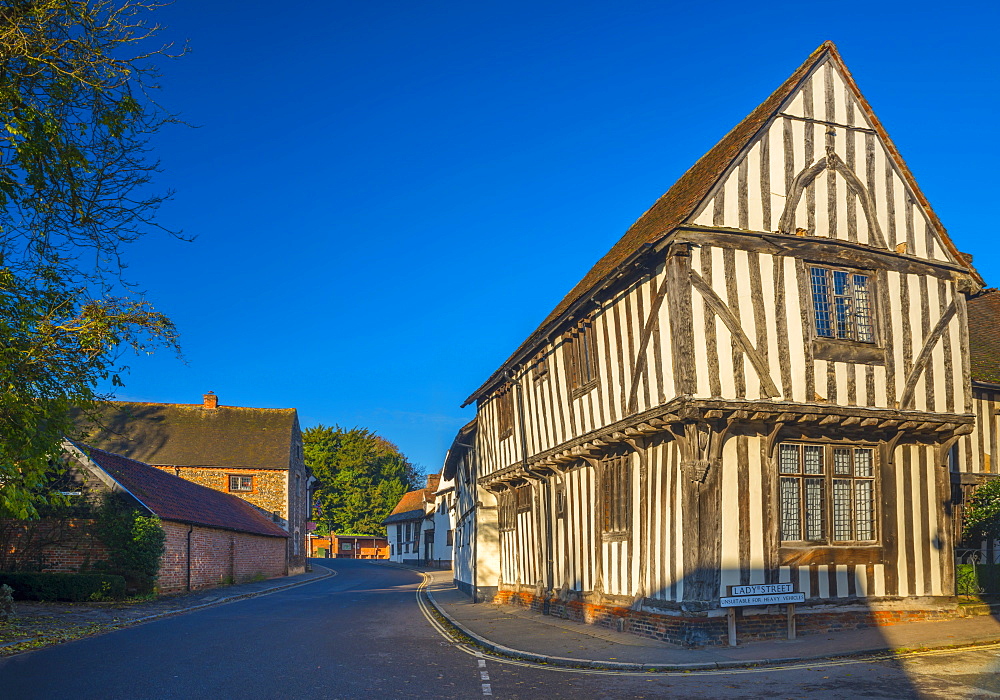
<point>38,624</point>
<point>517,632</point>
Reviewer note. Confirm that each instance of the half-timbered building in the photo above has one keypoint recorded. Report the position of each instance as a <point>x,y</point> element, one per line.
<point>761,382</point>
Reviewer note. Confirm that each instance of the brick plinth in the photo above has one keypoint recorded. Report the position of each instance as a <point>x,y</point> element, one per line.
<point>705,630</point>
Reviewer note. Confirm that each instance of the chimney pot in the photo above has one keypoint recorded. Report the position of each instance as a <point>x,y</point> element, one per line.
<point>211,401</point>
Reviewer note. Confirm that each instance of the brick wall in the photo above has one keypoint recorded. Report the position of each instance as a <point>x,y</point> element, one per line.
<point>218,557</point>
<point>713,631</point>
<point>65,546</point>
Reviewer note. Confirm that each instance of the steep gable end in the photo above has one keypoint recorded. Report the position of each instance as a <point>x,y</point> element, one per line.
<point>823,166</point>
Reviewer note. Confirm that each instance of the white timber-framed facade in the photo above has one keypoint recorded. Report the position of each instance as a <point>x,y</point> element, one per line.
<point>761,382</point>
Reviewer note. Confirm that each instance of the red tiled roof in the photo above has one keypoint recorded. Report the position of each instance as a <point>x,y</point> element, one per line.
<point>984,336</point>
<point>683,198</point>
<point>413,500</point>
<point>172,498</point>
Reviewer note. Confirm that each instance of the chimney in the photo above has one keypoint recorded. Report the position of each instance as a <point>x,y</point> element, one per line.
<point>432,481</point>
<point>210,401</point>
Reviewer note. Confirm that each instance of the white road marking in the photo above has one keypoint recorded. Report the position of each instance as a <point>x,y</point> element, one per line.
<point>484,676</point>
<point>487,690</point>
<point>482,663</point>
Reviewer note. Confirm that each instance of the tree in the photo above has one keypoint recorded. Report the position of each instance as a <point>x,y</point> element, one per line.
<point>75,116</point>
<point>982,514</point>
<point>362,476</point>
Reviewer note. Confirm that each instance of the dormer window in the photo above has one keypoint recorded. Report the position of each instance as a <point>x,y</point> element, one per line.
<point>842,306</point>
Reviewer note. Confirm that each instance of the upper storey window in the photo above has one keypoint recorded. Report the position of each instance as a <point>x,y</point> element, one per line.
<point>581,357</point>
<point>842,304</point>
<point>505,412</point>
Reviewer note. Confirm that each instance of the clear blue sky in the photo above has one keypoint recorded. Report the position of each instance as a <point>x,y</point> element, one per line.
<point>389,196</point>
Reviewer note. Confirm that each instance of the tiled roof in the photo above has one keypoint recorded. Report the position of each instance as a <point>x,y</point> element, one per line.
<point>189,435</point>
<point>984,336</point>
<point>413,500</point>
<point>172,498</point>
<point>683,198</point>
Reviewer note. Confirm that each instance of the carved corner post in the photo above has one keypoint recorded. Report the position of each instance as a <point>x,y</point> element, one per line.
<point>700,444</point>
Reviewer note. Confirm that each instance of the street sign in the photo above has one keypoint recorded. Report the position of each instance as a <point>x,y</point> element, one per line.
<point>771,599</point>
<point>761,589</point>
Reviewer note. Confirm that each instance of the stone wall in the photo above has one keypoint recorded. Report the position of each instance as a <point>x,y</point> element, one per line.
<point>218,557</point>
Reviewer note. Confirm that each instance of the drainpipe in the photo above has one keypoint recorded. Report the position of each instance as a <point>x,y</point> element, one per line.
<point>190,530</point>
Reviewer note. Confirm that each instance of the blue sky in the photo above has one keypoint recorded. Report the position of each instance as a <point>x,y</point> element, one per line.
<point>389,196</point>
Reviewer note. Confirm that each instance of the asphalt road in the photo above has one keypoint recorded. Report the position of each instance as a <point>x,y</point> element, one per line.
<point>361,634</point>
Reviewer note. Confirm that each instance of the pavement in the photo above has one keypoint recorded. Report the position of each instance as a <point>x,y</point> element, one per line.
<point>520,633</point>
<point>39,624</point>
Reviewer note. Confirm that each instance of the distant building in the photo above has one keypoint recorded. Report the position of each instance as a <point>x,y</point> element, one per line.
<point>252,453</point>
<point>421,528</point>
<point>348,546</point>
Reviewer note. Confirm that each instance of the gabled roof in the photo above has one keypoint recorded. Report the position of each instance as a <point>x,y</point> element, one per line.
<point>984,336</point>
<point>413,500</point>
<point>683,198</point>
<point>171,498</point>
<point>191,435</point>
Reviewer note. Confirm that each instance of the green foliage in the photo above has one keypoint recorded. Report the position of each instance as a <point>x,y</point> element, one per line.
<point>362,476</point>
<point>6,603</point>
<point>75,117</point>
<point>974,580</point>
<point>56,347</point>
<point>135,542</point>
<point>71,587</point>
<point>982,514</point>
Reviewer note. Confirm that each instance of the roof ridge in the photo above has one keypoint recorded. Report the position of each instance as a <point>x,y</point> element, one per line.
<point>197,405</point>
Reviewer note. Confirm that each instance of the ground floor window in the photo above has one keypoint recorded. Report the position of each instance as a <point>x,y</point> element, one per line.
<point>616,494</point>
<point>827,493</point>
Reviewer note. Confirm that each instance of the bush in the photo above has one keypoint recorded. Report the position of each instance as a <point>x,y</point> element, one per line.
<point>135,543</point>
<point>71,587</point>
<point>978,579</point>
<point>982,514</point>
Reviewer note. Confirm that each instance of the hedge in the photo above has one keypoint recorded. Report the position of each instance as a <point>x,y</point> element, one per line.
<point>71,587</point>
<point>978,579</point>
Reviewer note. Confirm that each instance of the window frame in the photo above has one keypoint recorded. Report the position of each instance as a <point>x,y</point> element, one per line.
<point>580,356</point>
<point>831,297</point>
<point>506,511</point>
<point>505,411</point>
<point>829,475</point>
<point>250,477</point>
<point>616,496</point>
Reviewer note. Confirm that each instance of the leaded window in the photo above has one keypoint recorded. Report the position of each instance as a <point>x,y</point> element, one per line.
<point>842,304</point>
<point>616,494</point>
<point>581,357</point>
<point>827,493</point>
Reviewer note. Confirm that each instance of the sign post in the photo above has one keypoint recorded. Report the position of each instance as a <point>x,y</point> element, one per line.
<point>761,594</point>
